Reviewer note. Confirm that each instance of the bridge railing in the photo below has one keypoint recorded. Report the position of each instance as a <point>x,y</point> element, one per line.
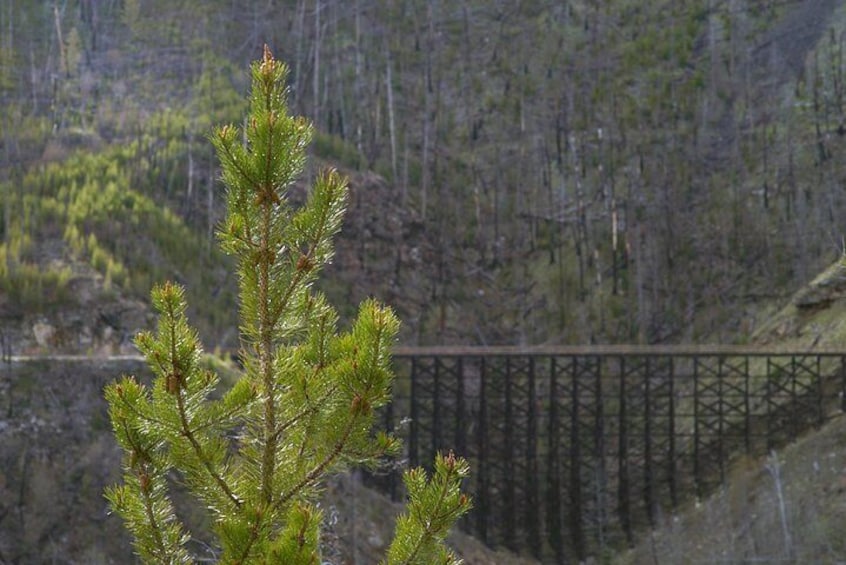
<point>574,450</point>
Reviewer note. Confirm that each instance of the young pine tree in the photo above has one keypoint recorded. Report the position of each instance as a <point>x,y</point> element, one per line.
<point>256,456</point>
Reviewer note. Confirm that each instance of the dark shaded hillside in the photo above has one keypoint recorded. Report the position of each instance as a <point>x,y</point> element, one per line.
<point>775,63</point>
<point>57,453</point>
<point>781,53</point>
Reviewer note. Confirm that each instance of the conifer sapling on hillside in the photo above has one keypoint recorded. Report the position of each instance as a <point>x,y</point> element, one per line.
<point>256,455</point>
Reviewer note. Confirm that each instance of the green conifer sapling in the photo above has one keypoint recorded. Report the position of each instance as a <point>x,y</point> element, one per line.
<point>256,456</point>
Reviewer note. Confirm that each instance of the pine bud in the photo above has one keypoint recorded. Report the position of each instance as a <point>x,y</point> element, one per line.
<point>304,264</point>
<point>263,256</point>
<point>266,196</point>
<point>144,479</point>
<point>449,461</point>
<point>268,62</point>
<point>224,132</point>
<point>173,383</point>
<point>360,406</point>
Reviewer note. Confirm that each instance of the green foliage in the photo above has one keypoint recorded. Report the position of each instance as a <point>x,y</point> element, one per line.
<point>334,148</point>
<point>131,237</point>
<point>434,505</point>
<point>29,286</point>
<point>256,455</point>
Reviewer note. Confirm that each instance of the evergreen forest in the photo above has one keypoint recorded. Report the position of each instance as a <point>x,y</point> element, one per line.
<point>522,172</point>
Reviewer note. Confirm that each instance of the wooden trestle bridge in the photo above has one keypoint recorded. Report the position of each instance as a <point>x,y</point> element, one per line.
<point>575,450</point>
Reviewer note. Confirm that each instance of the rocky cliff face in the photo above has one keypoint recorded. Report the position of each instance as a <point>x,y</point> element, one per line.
<point>90,320</point>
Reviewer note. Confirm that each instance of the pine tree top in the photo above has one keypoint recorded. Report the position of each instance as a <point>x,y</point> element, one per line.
<point>305,405</point>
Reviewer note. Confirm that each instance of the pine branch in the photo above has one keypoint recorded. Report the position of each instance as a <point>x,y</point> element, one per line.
<point>146,417</point>
<point>305,263</point>
<point>266,361</point>
<point>233,161</point>
<point>158,534</point>
<point>434,505</point>
<point>267,199</point>
<point>174,375</point>
<point>319,469</point>
<point>308,480</point>
<point>428,529</point>
<point>198,449</point>
<point>144,480</point>
<point>309,411</point>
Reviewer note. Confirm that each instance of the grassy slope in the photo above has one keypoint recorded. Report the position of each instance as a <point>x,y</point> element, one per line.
<point>815,317</point>
<point>789,507</point>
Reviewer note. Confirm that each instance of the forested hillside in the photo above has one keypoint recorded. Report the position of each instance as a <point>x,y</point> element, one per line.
<point>546,171</point>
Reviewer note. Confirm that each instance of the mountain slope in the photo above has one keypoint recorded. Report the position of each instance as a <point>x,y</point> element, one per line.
<point>607,172</point>
<point>788,506</point>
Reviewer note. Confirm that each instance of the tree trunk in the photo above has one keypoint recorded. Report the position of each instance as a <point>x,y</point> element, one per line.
<point>316,70</point>
<point>391,123</point>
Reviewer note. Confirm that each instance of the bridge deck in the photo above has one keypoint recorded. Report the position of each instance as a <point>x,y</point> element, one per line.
<point>608,351</point>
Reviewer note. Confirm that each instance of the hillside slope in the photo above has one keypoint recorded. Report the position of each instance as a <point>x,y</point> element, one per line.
<point>814,318</point>
<point>572,172</point>
<point>94,245</point>
<point>789,506</point>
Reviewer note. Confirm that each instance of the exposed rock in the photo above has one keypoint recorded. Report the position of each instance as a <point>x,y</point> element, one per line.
<point>815,318</point>
<point>43,333</point>
<point>823,290</point>
<point>93,320</point>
